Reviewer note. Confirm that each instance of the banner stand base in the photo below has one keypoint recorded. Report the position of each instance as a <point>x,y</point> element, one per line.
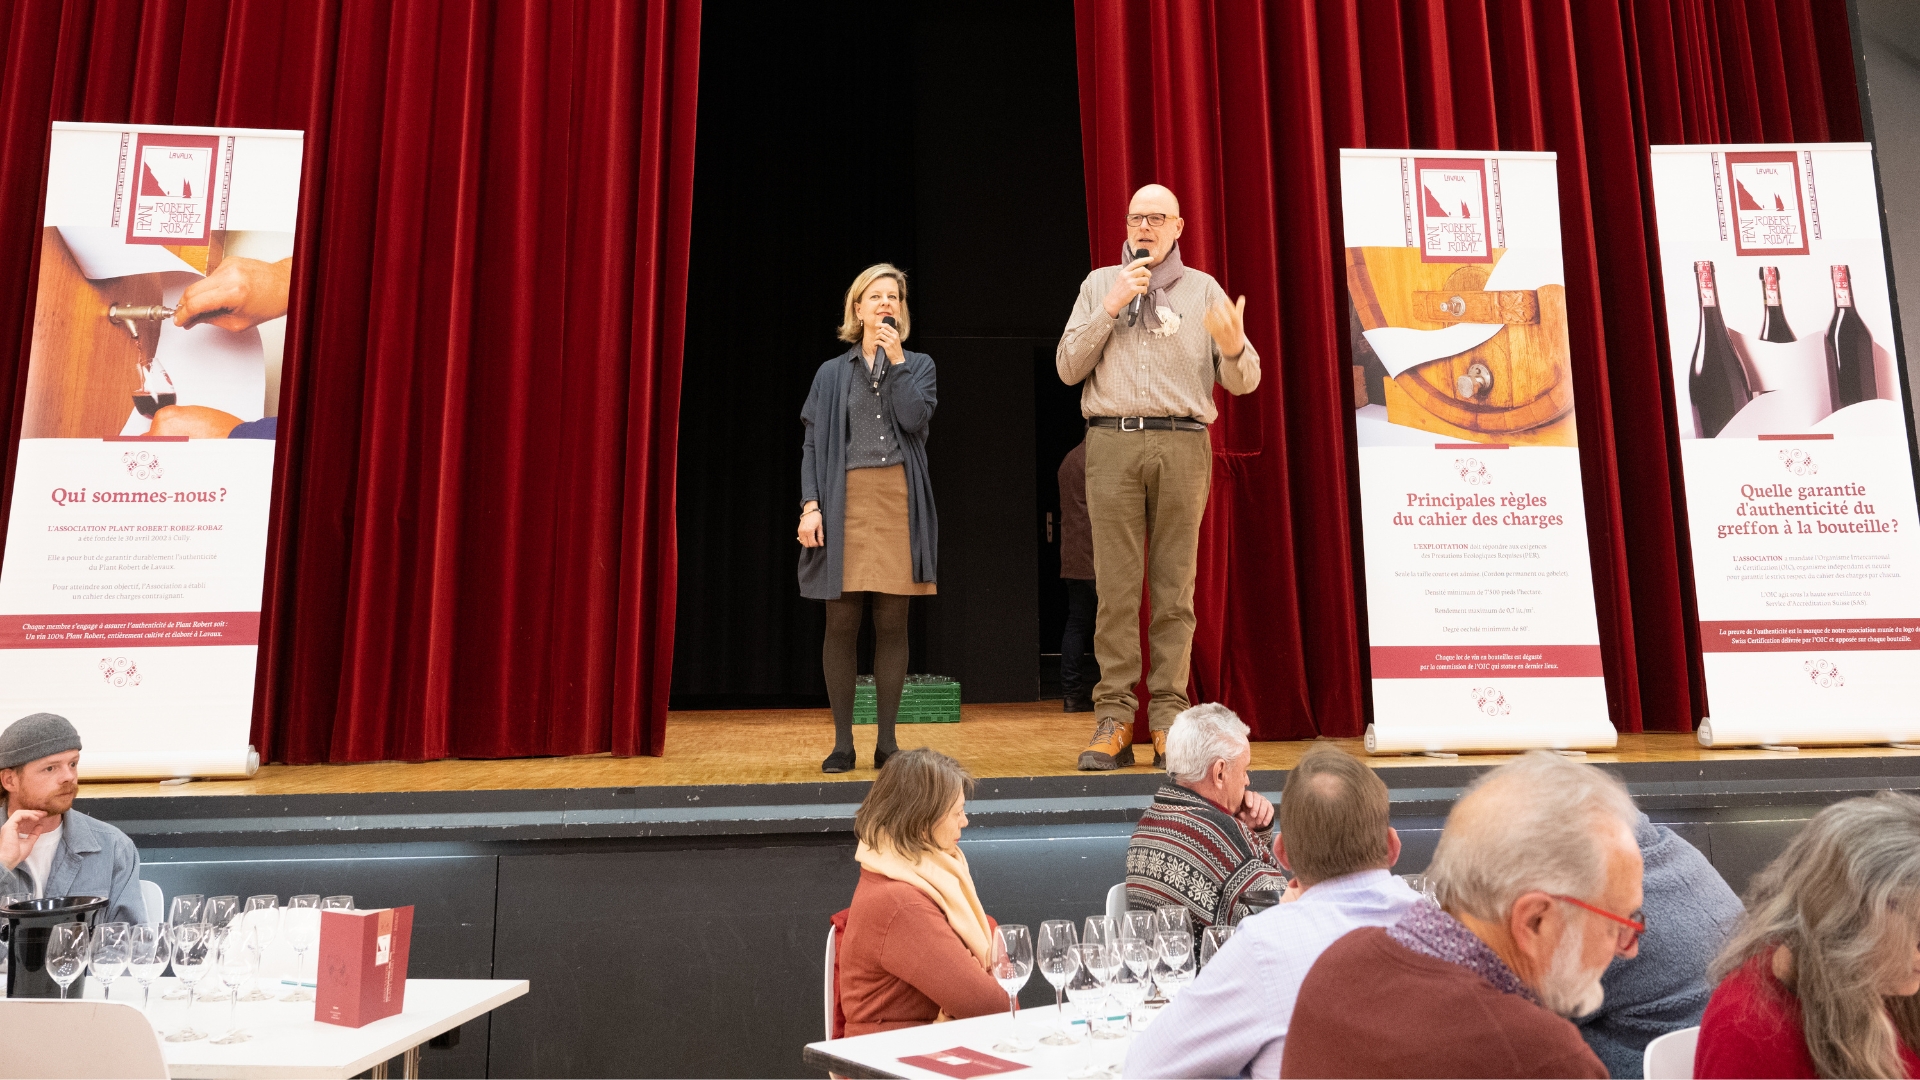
<point>1436,754</point>
<point>1904,745</point>
<point>1779,748</point>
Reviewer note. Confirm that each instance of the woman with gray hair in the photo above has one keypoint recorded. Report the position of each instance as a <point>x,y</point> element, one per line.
<point>1820,979</point>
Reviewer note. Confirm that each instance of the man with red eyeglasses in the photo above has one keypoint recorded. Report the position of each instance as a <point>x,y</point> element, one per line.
<point>1539,884</point>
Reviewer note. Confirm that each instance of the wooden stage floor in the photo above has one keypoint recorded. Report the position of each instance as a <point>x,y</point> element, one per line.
<point>786,747</point>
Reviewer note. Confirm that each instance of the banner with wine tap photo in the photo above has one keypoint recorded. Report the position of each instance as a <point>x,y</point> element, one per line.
<point>1793,441</point>
<point>1480,608</point>
<point>136,545</point>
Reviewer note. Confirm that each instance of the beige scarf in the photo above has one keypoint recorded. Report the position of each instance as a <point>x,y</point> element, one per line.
<point>944,877</point>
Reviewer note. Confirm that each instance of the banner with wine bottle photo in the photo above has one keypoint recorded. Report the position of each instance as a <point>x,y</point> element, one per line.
<point>1793,442</point>
<point>136,542</point>
<point>1480,609</point>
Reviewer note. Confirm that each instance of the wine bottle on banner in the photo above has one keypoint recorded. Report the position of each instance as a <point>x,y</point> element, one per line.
<point>1716,380</point>
<point>1850,372</point>
<point>1773,325</point>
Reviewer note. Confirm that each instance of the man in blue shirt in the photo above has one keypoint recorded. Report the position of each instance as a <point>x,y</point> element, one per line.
<point>1335,838</point>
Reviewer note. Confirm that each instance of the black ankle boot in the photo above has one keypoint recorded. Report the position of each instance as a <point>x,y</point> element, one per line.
<point>838,761</point>
<point>880,756</point>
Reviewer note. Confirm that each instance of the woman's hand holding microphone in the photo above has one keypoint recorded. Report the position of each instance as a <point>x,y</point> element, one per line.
<point>810,533</point>
<point>887,336</point>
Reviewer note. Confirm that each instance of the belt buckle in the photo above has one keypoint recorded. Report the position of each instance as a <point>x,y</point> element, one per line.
<point>1140,423</point>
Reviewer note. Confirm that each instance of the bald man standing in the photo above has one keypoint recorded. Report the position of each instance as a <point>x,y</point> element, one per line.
<point>1147,373</point>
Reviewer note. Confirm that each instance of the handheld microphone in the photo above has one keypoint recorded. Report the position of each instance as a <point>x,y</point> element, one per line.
<point>1139,302</point>
<point>880,357</point>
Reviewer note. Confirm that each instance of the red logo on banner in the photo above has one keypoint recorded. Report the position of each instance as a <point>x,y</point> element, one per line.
<point>1490,700</point>
<point>1473,471</point>
<point>173,181</point>
<point>1455,225</point>
<point>142,464</point>
<point>1798,462</point>
<point>119,671</point>
<point>1825,673</point>
<point>1768,215</point>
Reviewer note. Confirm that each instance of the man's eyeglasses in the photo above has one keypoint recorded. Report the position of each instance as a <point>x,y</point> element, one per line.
<point>1134,221</point>
<point>1634,927</point>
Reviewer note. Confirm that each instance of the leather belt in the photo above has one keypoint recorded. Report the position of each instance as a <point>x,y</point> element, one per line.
<point>1147,423</point>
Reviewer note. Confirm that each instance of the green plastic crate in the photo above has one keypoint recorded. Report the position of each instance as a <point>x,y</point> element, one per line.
<point>926,699</point>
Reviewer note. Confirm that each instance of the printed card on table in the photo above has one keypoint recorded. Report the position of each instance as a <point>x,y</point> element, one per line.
<point>960,1062</point>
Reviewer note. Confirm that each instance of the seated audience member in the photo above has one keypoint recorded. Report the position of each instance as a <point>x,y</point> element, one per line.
<point>47,848</point>
<point>1821,975</point>
<point>1207,839</point>
<point>917,944</point>
<point>1334,836</point>
<point>1539,885</point>
<point>1690,913</point>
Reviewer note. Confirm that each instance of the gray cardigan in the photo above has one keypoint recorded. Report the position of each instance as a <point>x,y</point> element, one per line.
<point>909,394</point>
<point>94,859</point>
<point>1690,914</point>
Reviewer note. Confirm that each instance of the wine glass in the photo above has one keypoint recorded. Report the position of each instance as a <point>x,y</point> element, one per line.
<point>1174,917</point>
<point>1055,958</point>
<point>107,958</point>
<point>1174,970</point>
<point>1101,930</point>
<point>1212,941</point>
<point>262,922</point>
<point>67,953</point>
<point>183,910</point>
<point>220,910</point>
<point>1107,964</point>
<point>190,944</point>
<point>301,923</point>
<point>1012,967</point>
<point>337,903</point>
<point>1089,997</point>
<point>231,959</point>
<point>147,945</point>
<point>1138,924</point>
<point>1131,982</point>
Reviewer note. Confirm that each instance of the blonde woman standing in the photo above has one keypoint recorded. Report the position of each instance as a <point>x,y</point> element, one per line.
<point>868,530</point>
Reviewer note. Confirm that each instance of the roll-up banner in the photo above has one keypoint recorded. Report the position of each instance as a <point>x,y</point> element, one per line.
<point>1479,591</point>
<point>1794,442</point>
<point>136,545</point>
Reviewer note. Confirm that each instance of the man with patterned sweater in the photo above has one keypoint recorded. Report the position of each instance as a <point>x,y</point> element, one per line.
<point>1207,840</point>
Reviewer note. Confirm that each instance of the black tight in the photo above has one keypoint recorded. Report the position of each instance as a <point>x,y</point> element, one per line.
<point>840,657</point>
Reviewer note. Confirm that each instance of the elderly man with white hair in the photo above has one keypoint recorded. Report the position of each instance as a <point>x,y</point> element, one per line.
<point>1207,840</point>
<point>1538,878</point>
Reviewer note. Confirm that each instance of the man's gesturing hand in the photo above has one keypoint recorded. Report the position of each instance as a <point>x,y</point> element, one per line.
<point>1255,810</point>
<point>1132,282</point>
<point>1227,323</point>
<point>19,833</point>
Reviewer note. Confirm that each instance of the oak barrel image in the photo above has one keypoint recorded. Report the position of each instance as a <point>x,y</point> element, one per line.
<point>1516,386</point>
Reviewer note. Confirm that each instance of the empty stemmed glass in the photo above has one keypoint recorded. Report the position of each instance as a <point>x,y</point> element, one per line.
<point>1173,970</point>
<point>1131,983</point>
<point>1106,965</point>
<point>107,955</point>
<point>337,903</point>
<point>183,910</point>
<point>1089,996</point>
<point>301,923</point>
<point>230,959</point>
<point>1100,930</point>
<point>67,953</point>
<point>147,945</point>
<point>261,920</point>
<point>190,944</point>
<point>1138,924</point>
<point>1012,967</point>
<point>1053,954</point>
<point>1212,941</point>
<point>218,913</point>
<point>1174,917</point>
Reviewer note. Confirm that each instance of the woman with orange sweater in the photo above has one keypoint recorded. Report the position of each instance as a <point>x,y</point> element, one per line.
<point>917,943</point>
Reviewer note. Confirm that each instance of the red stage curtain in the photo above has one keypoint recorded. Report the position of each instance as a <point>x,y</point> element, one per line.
<point>1242,106</point>
<point>473,546</point>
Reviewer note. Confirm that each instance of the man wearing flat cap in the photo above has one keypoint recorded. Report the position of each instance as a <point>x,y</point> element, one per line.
<point>47,848</point>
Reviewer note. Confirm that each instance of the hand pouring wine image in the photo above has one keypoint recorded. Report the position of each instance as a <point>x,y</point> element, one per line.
<point>136,339</point>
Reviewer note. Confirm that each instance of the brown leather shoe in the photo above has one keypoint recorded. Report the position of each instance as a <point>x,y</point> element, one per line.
<point>1160,749</point>
<point>1111,746</point>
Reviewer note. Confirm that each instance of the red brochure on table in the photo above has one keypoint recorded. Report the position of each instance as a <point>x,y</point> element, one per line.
<point>363,965</point>
<point>961,1063</point>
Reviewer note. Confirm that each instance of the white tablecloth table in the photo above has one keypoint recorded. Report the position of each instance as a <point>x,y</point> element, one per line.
<point>879,1054</point>
<point>288,1042</point>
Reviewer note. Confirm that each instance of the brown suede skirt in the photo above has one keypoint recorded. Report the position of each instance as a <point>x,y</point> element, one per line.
<point>879,554</point>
